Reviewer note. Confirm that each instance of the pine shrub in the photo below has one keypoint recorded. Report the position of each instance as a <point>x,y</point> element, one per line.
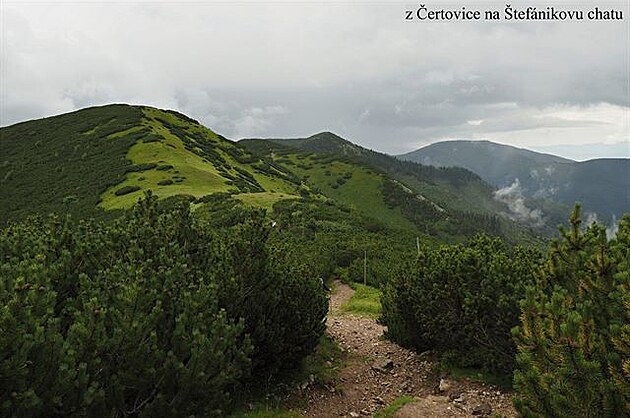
<point>155,314</point>
<point>461,301</point>
<point>573,342</point>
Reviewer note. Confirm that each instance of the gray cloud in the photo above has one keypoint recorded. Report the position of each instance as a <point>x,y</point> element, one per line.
<point>283,69</point>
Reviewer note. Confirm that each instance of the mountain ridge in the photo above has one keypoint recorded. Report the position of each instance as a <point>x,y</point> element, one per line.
<point>105,158</point>
<point>602,185</point>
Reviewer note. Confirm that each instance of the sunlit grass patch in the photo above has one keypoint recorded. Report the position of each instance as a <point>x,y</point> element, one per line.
<point>366,301</point>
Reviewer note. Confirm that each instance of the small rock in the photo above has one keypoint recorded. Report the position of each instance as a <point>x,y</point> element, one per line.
<point>444,385</point>
<point>482,410</point>
<point>354,414</point>
<point>365,412</point>
<point>379,400</point>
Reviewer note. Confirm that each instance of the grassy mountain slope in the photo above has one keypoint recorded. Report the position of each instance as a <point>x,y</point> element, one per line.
<point>98,160</point>
<point>446,203</point>
<point>184,157</point>
<point>358,187</point>
<point>601,185</point>
<point>454,187</point>
<point>106,157</point>
<point>64,163</point>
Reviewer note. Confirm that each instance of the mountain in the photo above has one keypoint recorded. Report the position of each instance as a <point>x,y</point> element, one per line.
<point>98,161</point>
<point>454,187</point>
<point>442,202</point>
<point>601,185</point>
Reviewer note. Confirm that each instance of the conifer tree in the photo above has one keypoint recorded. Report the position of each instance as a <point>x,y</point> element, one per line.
<point>571,338</point>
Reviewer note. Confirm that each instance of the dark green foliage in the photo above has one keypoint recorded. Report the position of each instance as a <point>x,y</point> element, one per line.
<point>283,309</point>
<point>182,116</point>
<point>451,204</point>
<point>115,320</point>
<point>462,301</point>
<point>141,167</point>
<point>331,240</point>
<point>126,190</point>
<point>166,182</point>
<point>434,220</point>
<point>155,314</point>
<point>151,138</point>
<point>45,160</point>
<point>572,342</point>
<point>164,167</point>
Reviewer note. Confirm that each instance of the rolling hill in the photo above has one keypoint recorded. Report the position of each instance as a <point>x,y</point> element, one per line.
<point>97,161</point>
<point>442,202</point>
<point>601,185</point>
<point>104,158</point>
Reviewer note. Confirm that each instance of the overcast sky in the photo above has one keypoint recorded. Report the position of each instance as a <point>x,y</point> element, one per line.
<point>281,69</point>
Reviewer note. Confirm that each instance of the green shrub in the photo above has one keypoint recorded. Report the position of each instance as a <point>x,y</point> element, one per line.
<point>165,182</point>
<point>141,167</point>
<point>114,320</point>
<point>126,190</point>
<point>283,310</point>
<point>151,138</point>
<point>462,301</point>
<point>155,314</point>
<point>573,346</point>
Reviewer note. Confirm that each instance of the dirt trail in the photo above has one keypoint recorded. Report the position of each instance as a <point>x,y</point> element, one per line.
<point>379,371</point>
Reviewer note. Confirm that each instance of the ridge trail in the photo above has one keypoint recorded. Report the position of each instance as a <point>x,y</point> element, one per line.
<point>378,371</point>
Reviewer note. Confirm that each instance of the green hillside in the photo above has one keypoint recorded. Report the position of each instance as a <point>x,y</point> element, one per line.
<point>104,158</point>
<point>358,187</point>
<point>98,161</point>
<point>64,163</point>
<point>454,187</point>
<point>446,203</point>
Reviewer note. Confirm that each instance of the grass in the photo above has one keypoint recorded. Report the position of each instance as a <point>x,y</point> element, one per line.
<point>201,178</point>
<point>361,192</point>
<point>365,301</point>
<point>390,410</point>
<point>190,173</point>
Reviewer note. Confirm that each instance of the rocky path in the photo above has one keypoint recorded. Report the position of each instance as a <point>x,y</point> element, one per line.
<point>379,371</point>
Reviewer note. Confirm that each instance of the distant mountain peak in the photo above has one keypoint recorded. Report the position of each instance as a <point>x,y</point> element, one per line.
<point>601,185</point>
